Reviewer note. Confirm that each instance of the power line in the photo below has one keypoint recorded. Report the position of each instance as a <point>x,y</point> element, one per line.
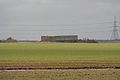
<point>27,32</point>
<point>53,24</point>
<point>114,36</point>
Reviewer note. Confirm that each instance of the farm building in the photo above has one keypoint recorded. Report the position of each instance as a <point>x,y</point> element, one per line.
<point>65,38</point>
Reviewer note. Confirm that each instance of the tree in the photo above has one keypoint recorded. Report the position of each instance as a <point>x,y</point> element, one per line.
<point>10,39</point>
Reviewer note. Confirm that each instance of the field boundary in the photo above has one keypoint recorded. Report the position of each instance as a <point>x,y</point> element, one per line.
<point>59,68</point>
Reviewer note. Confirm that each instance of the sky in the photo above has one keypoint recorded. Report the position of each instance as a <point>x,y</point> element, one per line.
<point>30,19</point>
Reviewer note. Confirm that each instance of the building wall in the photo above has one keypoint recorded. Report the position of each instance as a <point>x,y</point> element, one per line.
<point>70,38</point>
<point>63,38</point>
<point>48,38</point>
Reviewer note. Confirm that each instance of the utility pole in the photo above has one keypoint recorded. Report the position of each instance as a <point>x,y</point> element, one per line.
<point>115,33</point>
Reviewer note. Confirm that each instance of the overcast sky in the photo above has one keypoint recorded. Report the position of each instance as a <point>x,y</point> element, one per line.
<point>30,19</point>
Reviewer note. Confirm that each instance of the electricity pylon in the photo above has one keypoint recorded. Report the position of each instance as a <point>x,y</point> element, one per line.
<point>115,32</point>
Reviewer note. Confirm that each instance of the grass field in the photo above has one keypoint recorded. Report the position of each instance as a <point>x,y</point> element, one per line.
<point>59,51</point>
<point>59,55</point>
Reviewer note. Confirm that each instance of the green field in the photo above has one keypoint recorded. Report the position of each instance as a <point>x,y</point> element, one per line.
<point>59,51</point>
<point>59,55</point>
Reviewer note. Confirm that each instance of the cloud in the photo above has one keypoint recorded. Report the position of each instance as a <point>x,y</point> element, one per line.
<point>50,11</point>
<point>57,12</point>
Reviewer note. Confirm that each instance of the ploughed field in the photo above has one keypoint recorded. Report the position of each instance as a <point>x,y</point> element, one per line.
<point>36,56</point>
<point>82,74</point>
